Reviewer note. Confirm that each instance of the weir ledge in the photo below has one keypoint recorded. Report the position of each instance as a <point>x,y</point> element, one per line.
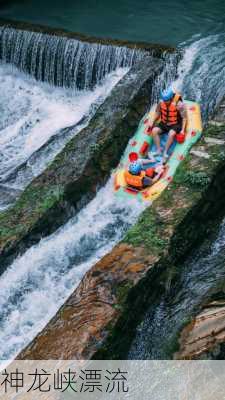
<point>156,49</point>
<point>99,319</point>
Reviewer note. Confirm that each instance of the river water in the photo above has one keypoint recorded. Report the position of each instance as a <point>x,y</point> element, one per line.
<point>37,283</point>
<point>161,21</point>
<point>32,113</point>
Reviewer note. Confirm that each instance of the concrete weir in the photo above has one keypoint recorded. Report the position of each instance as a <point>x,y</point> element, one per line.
<point>155,49</point>
<point>100,317</point>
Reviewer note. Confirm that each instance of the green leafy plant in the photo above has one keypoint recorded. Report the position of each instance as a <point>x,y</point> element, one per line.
<point>200,179</point>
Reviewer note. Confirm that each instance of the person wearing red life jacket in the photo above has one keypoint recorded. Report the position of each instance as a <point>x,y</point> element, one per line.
<point>173,119</point>
<point>139,178</point>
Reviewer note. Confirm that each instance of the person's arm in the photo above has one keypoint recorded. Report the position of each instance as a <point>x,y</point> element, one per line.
<point>157,115</point>
<point>145,161</point>
<point>183,113</point>
<point>150,124</point>
<point>158,175</point>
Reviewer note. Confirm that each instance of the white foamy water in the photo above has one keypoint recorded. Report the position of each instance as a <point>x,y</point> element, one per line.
<point>37,283</point>
<point>61,61</point>
<point>32,113</point>
<point>201,72</point>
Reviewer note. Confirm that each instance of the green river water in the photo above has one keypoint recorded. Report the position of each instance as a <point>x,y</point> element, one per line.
<point>170,22</point>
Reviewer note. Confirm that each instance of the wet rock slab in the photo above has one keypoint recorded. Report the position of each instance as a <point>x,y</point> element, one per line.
<point>201,338</point>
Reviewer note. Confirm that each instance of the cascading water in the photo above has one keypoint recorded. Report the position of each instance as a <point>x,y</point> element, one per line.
<point>60,61</point>
<point>201,72</point>
<point>37,120</point>
<point>36,284</point>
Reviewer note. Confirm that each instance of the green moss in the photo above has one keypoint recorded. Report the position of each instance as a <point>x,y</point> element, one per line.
<point>213,130</point>
<point>7,231</point>
<point>122,291</point>
<point>181,171</point>
<point>34,201</point>
<point>221,156</point>
<point>172,345</point>
<point>191,177</point>
<point>146,232</point>
<point>54,196</point>
<point>95,148</point>
<point>197,179</point>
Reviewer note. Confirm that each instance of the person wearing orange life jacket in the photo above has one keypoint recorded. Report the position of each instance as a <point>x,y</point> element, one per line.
<point>173,118</point>
<point>136,177</point>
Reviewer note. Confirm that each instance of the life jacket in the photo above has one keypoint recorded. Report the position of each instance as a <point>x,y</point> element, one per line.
<point>134,180</point>
<point>169,113</point>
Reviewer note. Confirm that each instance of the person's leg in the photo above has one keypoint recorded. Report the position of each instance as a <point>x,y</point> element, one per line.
<point>171,137</point>
<point>147,182</point>
<point>156,138</point>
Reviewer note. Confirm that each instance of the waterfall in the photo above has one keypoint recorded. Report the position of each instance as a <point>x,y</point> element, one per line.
<point>167,76</point>
<point>60,61</point>
<point>200,75</point>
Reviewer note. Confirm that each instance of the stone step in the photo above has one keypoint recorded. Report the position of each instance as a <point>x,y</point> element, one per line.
<point>201,154</point>
<point>216,123</point>
<point>211,140</point>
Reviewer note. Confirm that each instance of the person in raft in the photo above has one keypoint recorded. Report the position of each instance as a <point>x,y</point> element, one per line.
<point>173,118</point>
<point>139,178</point>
